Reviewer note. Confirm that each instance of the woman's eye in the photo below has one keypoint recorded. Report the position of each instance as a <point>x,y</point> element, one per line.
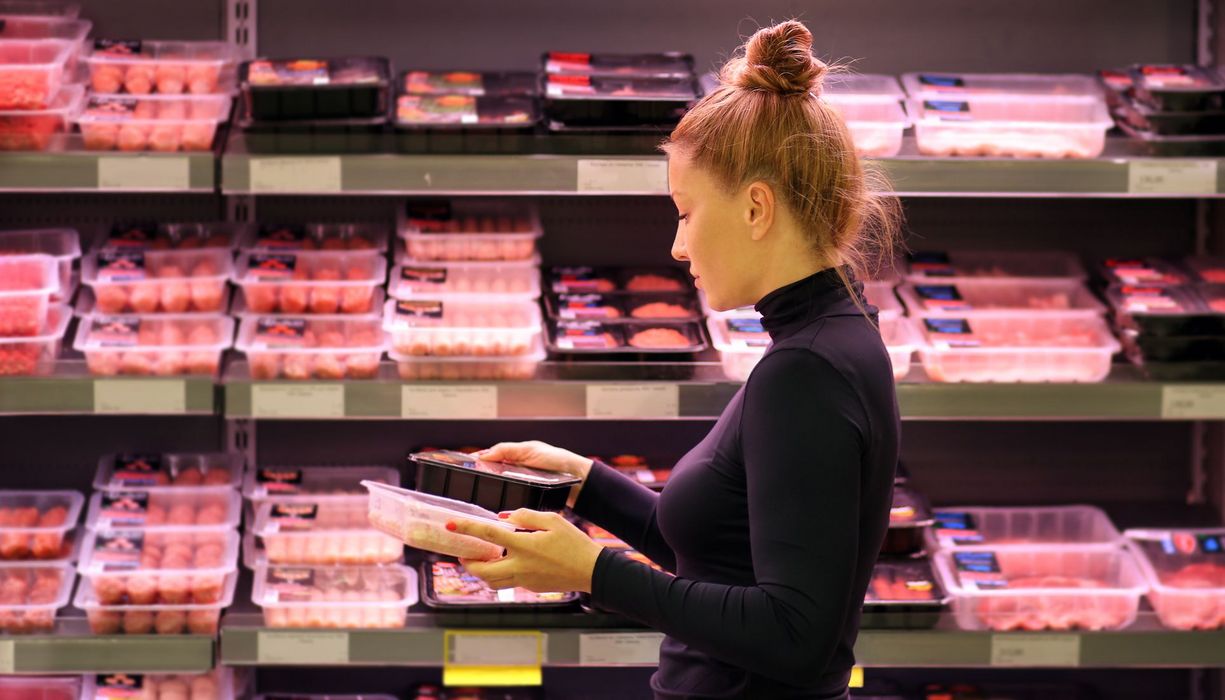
<point>682,217</point>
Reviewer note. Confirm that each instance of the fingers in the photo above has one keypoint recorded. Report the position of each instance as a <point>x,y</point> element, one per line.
<point>490,533</point>
<point>529,519</point>
<point>497,574</point>
<point>505,452</point>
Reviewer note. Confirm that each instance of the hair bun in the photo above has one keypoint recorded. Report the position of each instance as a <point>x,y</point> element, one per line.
<point>779,59</point>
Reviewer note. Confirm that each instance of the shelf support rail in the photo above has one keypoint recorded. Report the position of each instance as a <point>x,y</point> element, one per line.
<point>240,25</point>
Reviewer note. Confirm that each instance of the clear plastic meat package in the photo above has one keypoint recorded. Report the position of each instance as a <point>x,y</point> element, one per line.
<point>306,347</point>
<point>1185,570</point>
<point>321,530</point>
<point>161,345</point>
<point>419,520</point>
<point>347,597</point>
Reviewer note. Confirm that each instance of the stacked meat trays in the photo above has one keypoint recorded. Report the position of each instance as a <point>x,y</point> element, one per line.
<point>317,560</point>
<point>161,552</point>
<point>1170,314</point>
<point>1010,114</point>
<point>311,300</point>
<point>1169,110</point>
<point>871,106</point>
<point>464,291</point>
<point>1006,316</point>
<point>219,684</point>
<point>39,541</point>
<point>905,592</point>
<point>157,299</point>
<point>466,112</point>
<point>36,283</point>
<point>40,47</point>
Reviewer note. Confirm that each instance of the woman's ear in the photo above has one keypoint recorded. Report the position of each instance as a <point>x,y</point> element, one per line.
<point>761,210</point>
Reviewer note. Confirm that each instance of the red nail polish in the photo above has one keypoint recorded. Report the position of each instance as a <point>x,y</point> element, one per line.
<point>451,527</point>
<point>504,516</point>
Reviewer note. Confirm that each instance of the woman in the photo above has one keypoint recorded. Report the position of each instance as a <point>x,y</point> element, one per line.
<point>771,525</point>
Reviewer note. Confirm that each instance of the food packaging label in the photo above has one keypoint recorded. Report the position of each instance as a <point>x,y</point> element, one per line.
<point>949,110</point>
<point>948,333</point>
<point>121,265</point>
<point>115,331</point>
<point>1188,544</point>
<point>272,266</point>
<point>278,481</point>
<point>942,296</point>
<point>583,306</point>
<point>575,279</point>
<point>979,570</point>
<point>932,264</point>
<point>938,82</point>
<point>120,550</point>
<point>580,335</point>
<point>289,585</point>
<point>1168,76</point>
<point>455,82</point>
<point>748,332</point>
<point>111,107</point>
<point>118,47</point>
<point>116,686</point>
<point>280,332</point>
<point>437,109</point>
<point>123,509</point>
<point>298,72</point>
<point>293,516</point>
<point>419,309</point>
<point>426,275</point>
<point>1149,300</point>
<point>957,528</point>
<point>137,469</point>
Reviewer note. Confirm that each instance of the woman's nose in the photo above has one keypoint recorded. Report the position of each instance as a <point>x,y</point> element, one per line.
<point>678,247</point>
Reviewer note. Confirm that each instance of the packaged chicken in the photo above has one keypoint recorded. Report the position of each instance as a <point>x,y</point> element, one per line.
<point>306,347</point>
<point>181,509</point>
<point>951,85</point>
<point>30,595</point>
<point>622,100</point>
<point>353,597</point>
<point>336,237</point>
<point>25,26</point>
<point>62,244</point>
<point>34,524</point>
<point>1030,348</point>
<point>455,230</point>
<point>495,486</point>
<point>420,521</point>
<point>613,307</point>
<point>32,71</point>
<point>217,684</point>
<point>34,129</point>
<point>651,65</point>
<point>355,87</point>
<point>1001,528</point>
<point>448,586</point>
<point>518,280</point>
<point>476,83</point>
<point>27,283</point>
<point>166,123</point>
<point>599,340</point>
<point>1043,588</point>
<point>862,84</point>
<point>1021,126</point>
<point>1168,312</point>
<point>264,482</point>
<point>901,340</point>
<point>180,236</point>
<point>321,530</point>
<point>1147,272</point>
<point>519,367</point>
<point>910,518</point>
<point>1178,88</point>
<point>187,617</point>
<point>876,123</point>
<point>462,328</point>
<point>1185,570</point>
<point>40,687</point>
<point>146,471</point>
<point>948,267</point>
<point>159,566</point>
<point>596,280</point>
<point>465,123</point>
<point>35,355</point>
<point>141,67</point>
<point>999,297</point>
<point>903,594</point>
<point>132,280</point>
<point>310,282</point>
<point>162,345</point>
<point>1145,123</point>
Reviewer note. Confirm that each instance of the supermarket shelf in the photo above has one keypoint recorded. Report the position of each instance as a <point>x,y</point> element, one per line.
<point>68,168</point>
<point>72,649</point>
<point>72,390</point>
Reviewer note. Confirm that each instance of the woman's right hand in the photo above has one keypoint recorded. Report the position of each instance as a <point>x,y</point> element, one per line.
<point>541,456</point>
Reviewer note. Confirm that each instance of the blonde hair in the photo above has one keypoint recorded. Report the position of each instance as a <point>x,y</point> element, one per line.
<point>766,122</point>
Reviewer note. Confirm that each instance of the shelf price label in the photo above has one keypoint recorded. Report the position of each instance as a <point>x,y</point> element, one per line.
<point>1193,401</point>
<point>144,173</point>
<point>1181,177</point>
<point>298,400</point>
<point>296,175</point>
<point>1035,650</point>
<point>617,649</point>
<point>623,175</point>
<point>450,401</point>
<point>8,654</point>
<point>140,396</point>
<point>493,657</point>
<point>633,401</point>
<point>302,648</point>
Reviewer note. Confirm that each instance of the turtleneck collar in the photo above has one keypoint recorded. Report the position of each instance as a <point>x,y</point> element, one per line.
<point>792,307</point>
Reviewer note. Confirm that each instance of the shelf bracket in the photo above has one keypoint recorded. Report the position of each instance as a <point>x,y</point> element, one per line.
<point>240,438</point>
<point>241,21</point>
<point>240,208</point>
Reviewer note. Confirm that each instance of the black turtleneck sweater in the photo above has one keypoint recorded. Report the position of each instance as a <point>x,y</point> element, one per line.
<point>770,526</point>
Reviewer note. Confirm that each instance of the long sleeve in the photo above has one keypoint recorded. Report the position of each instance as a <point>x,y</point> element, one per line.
<point>803,430</point>
<point>627,509</point>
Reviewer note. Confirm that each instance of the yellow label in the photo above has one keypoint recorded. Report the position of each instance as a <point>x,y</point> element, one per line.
<point>492,657</point>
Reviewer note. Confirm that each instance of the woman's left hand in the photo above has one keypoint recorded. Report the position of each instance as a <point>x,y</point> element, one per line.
<point>554,557</point>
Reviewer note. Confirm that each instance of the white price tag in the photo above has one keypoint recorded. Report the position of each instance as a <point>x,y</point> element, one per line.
<point>615,649</point>
<point>449,401</point>
<point>144,173</point>
<point>1172,177</point>
<point>295,175</point>
<point>496,649</point>
<point>8,653</point>
<point>298,401</point>
<point>1035,650</point>
<point>1193,401</point>
<point>303,648</point>
<point>140,396</point>
<point>623,175</point>
<point>633,401</point>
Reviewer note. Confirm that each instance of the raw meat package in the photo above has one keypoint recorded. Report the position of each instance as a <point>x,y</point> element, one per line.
<point>306,347</point>
<point>999,297</point>
<point>519,281</point>
<point>665,306</point>
<point>476,83</point>
<point>909,520</point>
<point>741,343</point>
<point>1148,272</point>
<point>35,355</point>
<point>164,345</point>
<point>171,471</point>
<point>27,283</point>
<point>181,509</point>
<point>579,338</point>
<point>217,684</point>
<point>866,84</point>
<point>901,340</point>
<point>182,236</point>
<point>32,71</point>
<point>310,282</point>
<point>876,123</point>
<point>161,566</point>
<point>1178,88</point>
<point>1203,270</point>
<point>1035,347</point>
<point>262,483</point>
<point>131,280</point>
<point>420,521</point>
<point>30,594</point>
<point>657,65</point>
<point>23,26</point>
<point>1148,143</point>
<point>465,123</point>
<point>1145,121</point>
<point>581,280</point>
<point>279,238</point>
<point>34,129</point>
<point>326,136</point>
<point>187,617</point>
<point>1042,84</point>
<point>163,67</point>
<point>40,687</point>
<point>495,486</point>
<point>1185,570</point>
<point>583,100</point>
<point>1168,312</point>
<point>62,244</point>
<point>483,367</point>
<point>1002,528</point>
<point>323,530</point>
<point>903,594</point>
<point>461,328</point>
<point>1043,588</point>
<point>166,123</point>
<point>33,524</point>
<point>299,89</point>
<point>346,597</point>
<point>1021,126</point>
<point>446,585</point>
<point>469,230</point>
